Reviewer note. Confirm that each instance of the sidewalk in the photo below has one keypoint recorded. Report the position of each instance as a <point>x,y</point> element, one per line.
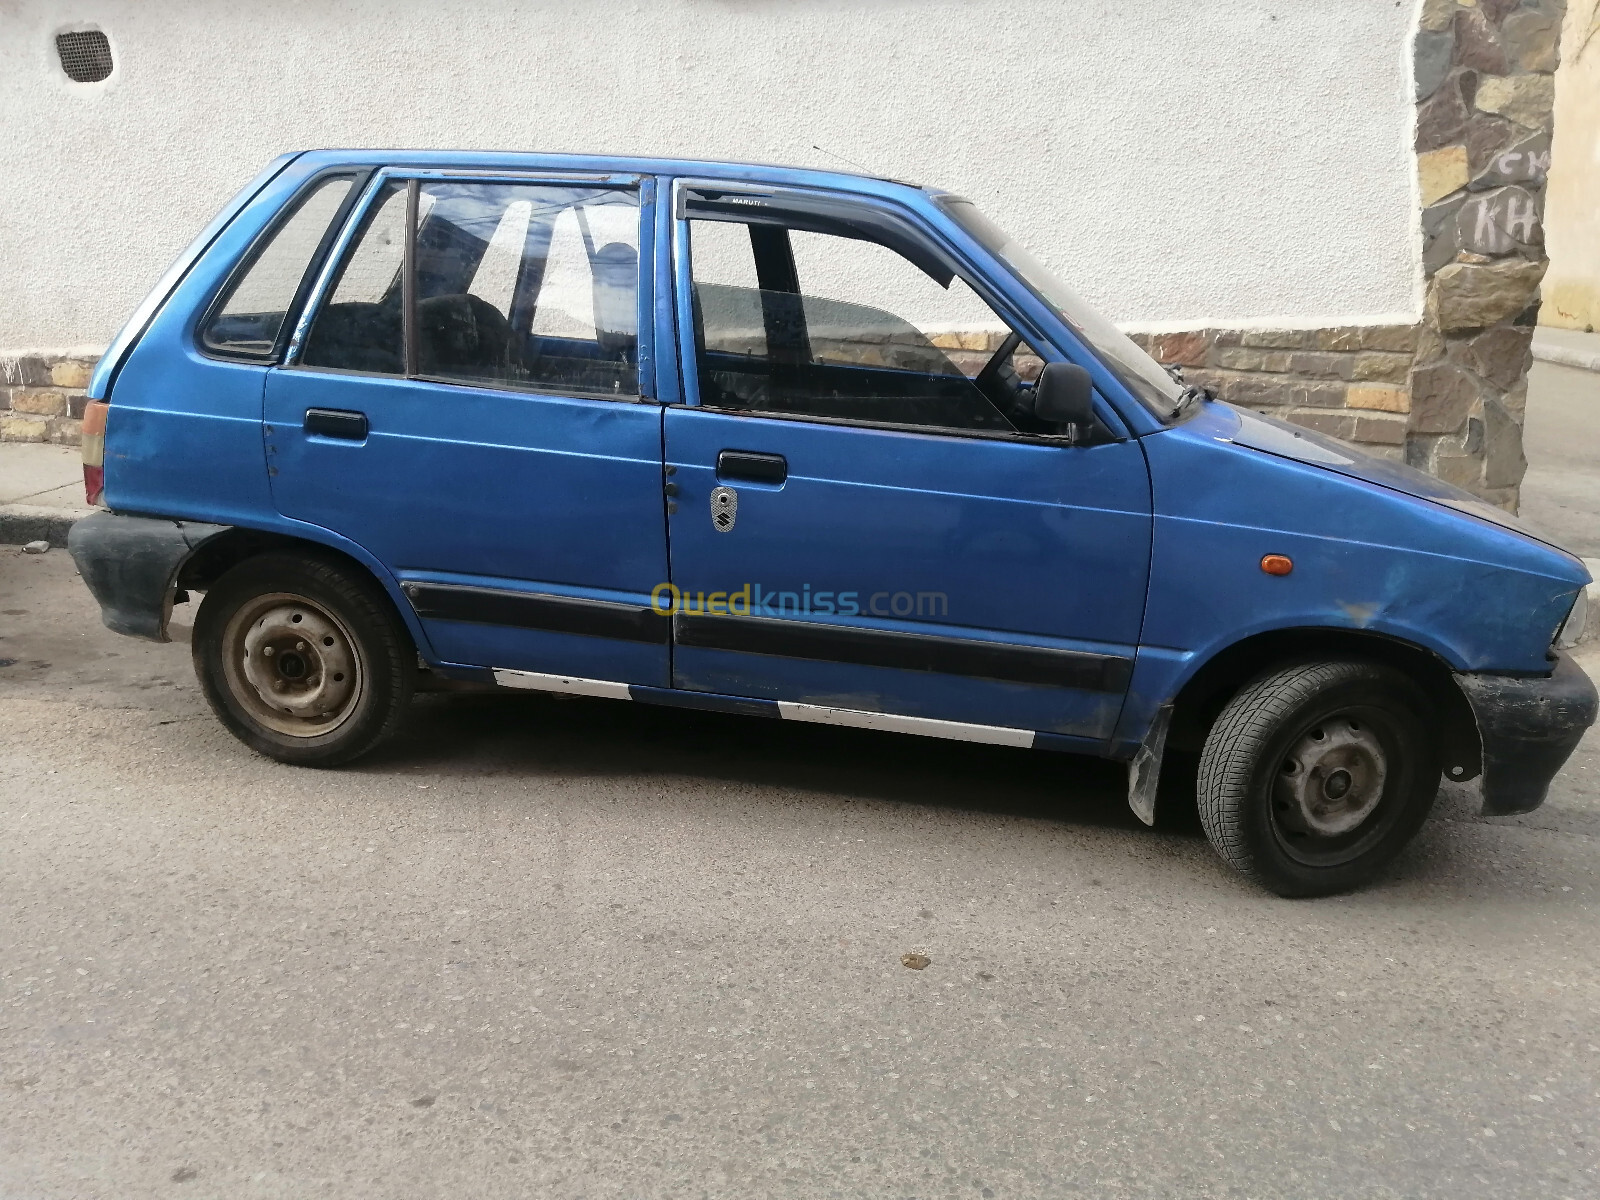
<point>41,492</point>
<point>1569,347</point>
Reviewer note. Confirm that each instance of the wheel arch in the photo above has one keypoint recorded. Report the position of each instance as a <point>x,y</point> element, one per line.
<point>238,544</point>
<point>1207,690</point>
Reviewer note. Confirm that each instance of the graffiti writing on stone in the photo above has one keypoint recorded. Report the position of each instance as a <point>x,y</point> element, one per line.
<point>1523,164</point>
<point>1500,222</point>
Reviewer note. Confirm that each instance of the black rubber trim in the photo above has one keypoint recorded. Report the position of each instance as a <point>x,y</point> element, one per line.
<point>907,651</point>
<point>1529,728</point>
<point>131,565</point>
<point>525,610</point>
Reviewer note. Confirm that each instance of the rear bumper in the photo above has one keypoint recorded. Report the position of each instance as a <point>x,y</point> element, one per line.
<point>1528,729</point>
<point>131,565</point>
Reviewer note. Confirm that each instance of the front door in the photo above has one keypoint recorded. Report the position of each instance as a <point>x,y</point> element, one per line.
<point>867,517</point>
<point>466,405</point>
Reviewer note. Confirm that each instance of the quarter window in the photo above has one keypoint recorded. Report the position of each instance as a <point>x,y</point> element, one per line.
<point>515,285</point>
<point>361,327</point>
<point>248,321</point>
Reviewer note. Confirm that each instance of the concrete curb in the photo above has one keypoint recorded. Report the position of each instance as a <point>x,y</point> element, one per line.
<point>23,523</point>
<point>1582,357</point>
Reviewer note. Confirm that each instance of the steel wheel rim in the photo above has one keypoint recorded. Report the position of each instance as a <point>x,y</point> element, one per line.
<point>1333,791</point>
<point>292,665</point>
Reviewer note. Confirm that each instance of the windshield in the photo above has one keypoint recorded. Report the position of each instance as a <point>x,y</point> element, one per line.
<point>1139,373</point>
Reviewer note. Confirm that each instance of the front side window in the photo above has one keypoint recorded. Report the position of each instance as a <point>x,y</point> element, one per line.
<point>250,317</point>
<point>789,320</point>
<point>513,285</point>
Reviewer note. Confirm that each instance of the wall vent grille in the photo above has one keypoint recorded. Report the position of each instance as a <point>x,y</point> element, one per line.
<point>85,55</point>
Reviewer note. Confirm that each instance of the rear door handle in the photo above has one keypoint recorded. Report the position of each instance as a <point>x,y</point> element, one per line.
<point>337,423</point>
<point>751,465</point>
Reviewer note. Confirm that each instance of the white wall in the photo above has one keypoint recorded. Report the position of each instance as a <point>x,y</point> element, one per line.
<point>1571,231</point>
<point>1233,161</point>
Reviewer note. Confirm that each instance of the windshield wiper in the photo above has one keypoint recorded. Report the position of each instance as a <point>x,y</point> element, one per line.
<point>1191,393</point>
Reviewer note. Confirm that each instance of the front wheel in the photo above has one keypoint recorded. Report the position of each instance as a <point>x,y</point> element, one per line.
<point>303,659</point>
<point>1315,775</point>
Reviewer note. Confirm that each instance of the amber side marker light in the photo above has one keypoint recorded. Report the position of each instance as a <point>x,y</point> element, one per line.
<point>1277,564</point>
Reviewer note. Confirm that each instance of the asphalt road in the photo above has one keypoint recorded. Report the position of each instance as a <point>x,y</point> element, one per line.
<point>566,947</point>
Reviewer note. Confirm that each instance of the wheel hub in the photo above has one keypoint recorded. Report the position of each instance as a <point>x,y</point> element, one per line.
<point>299,662</point>
<point>1332,779</point>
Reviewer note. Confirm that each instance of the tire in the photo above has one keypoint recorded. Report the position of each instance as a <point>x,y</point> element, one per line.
<point>1315,775</point>
<point>304,658</point>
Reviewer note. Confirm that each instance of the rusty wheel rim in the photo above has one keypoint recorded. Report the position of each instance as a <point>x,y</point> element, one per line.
<point>1333,792</point>
<point>292,665</point>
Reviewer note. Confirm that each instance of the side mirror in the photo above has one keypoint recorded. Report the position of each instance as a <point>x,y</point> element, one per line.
<point>1064,395</point>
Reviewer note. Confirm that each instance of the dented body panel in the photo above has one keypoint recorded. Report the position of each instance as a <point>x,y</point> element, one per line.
<point>1366,556</point>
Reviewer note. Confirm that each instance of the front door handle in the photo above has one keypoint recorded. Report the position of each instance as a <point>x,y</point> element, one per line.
<point>337,423</point>
<point>751,465</point>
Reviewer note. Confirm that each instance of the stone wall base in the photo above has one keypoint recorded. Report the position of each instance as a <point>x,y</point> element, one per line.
<point>1453,409</point>
<point>42,398</point>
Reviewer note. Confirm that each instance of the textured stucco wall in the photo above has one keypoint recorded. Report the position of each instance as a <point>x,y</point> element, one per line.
<point>1235,162</point>
<point>1572,206</point>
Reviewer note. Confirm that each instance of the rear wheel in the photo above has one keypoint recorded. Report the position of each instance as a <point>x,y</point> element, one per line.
<point>1315,775</point>
<point>303,659</point>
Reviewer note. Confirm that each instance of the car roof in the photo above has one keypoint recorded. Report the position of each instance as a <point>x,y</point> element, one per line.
<point>522,160</point>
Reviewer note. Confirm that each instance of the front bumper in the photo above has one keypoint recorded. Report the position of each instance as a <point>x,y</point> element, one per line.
<point>1528,729</point>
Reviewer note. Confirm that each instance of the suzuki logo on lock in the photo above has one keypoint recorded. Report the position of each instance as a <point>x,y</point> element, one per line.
<point>724,508</point>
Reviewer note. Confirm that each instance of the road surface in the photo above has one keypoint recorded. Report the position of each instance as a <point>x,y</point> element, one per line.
<point>579,948</point>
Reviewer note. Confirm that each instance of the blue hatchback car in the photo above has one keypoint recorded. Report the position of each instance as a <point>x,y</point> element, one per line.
<point>791,444</point>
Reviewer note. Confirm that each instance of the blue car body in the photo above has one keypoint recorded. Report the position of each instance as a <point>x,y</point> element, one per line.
<point>1020,590</point>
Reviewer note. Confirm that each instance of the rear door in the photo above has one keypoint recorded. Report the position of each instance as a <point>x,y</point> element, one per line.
<point>867,516</point>
<point>469,402</point>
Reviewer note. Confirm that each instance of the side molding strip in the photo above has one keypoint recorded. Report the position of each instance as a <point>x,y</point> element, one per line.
<point>531,610</point>
<point>907,651</point>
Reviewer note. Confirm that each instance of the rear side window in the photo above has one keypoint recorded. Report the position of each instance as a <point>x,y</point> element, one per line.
<point>512,285</point>
<point>249,320</point>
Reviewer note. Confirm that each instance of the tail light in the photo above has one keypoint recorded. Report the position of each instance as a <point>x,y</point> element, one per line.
<point>94,450</point>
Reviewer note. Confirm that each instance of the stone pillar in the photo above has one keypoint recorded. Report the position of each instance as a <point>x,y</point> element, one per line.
<point>1485,89</point>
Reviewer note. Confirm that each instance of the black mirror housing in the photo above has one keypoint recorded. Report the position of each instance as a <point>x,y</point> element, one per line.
<point>1064,395</point>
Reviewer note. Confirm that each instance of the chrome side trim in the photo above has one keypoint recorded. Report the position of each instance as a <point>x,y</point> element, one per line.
<point>788,710</point>
<point>994,735</point>
<point>571,685</point>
